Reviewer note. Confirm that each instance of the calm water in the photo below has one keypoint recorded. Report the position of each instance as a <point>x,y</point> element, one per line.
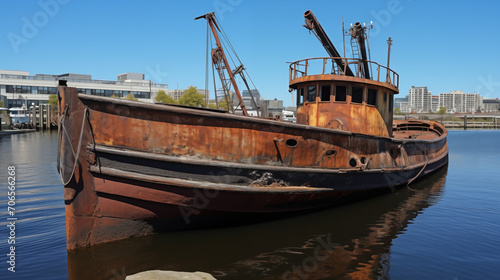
<point>444,227</point>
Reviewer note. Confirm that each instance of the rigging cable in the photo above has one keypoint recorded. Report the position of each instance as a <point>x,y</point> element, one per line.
<point>206,67</point>
<point>230,47</point>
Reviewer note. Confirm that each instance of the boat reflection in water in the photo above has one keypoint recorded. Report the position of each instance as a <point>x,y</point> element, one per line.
<point>349,242</point>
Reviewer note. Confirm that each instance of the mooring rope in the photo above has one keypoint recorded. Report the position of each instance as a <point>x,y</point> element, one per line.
<point>61,130</point>
<point>420,172</point>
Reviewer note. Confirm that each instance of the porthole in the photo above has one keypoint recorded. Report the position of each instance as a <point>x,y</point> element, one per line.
<point>292,143</point>
<point>353,162</point>
<point>363,160</point>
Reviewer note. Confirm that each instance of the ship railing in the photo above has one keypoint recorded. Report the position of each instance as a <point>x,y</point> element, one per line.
<point>328,66</point>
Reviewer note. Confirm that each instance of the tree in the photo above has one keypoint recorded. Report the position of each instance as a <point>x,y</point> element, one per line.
<point>53,100</point>
<point>442,110</point>
<point>222,106</point>
<point>131,97</point>
<point>164,98</point>
<point>2,105</point>
<point>192,98</point>
<point>397,111</point>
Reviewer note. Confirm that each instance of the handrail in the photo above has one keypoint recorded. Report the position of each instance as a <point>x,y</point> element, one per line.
<point>300,68</point>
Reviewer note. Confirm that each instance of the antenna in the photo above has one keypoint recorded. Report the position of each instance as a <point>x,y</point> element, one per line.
<point>389,43</point>
<point>343,37</point>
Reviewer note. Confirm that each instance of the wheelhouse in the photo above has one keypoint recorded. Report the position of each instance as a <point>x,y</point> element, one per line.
<point>337,101</point>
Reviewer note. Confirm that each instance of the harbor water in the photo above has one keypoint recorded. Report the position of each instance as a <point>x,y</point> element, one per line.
<point>446,226</point>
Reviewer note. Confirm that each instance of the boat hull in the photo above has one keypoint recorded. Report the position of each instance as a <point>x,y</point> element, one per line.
<point>134,169</point>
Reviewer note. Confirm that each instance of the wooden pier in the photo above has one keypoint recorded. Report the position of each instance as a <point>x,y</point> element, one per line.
<point>469,122</point>
<point>477,121</point>
<point>40,116</point>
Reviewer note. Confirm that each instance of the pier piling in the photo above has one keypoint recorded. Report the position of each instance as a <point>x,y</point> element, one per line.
<point>40,116</point>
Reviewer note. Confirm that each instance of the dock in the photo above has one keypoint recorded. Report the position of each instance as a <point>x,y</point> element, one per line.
<point>15,131</point>
<point>40,116</point>
<point>459,121</point>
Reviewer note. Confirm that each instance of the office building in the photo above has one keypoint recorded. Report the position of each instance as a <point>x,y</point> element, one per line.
<point>247,99</point>
<point>404,107</point>
<point>491,105</point>
<point>19,87</point>
<point>399,100</point>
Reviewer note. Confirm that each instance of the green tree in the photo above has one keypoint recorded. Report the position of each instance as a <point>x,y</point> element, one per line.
<point>442,110</point>
<point>2,105</point>
<point>164,98</point>
<point>192,98</point>
<point>397,111</point>
<point>53,100</point>
<point>222,106</point>
<point>131,97</point>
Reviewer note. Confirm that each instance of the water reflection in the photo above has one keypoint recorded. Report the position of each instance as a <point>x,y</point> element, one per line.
<point>350,242</point>
<point>39,208</point>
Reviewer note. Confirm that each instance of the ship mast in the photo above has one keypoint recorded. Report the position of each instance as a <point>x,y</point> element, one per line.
<point>218,54</point>
<point>389,43</point>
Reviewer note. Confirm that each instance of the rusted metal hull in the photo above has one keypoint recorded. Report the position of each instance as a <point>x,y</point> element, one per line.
<point>133,169</point>
<point>362,245</point>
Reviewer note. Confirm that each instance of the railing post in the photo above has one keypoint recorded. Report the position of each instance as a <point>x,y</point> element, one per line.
<point>345,64</point>
<point>378,73</point>
<point>305,70</point>
<point>324,62</point>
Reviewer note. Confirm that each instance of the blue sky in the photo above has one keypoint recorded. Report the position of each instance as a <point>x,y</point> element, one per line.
<point>440,44</point>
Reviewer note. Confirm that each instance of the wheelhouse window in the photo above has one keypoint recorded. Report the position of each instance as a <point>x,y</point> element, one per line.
<point>372,97</point>
<point>311,93</point>
<point>357,95</point>
<point>340,93</point>
<point>325,92</point>
<point>300,96</point>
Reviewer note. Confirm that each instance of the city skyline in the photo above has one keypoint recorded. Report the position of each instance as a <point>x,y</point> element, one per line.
<point>431,41</point>
<point>422,100</point>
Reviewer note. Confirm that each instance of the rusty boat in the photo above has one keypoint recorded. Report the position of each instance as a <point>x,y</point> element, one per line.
<point>131,168</point>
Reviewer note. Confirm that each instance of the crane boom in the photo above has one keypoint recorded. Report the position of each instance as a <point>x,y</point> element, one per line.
<point>358,33</point>
<point>313,25</point>
<point>210,17</point>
